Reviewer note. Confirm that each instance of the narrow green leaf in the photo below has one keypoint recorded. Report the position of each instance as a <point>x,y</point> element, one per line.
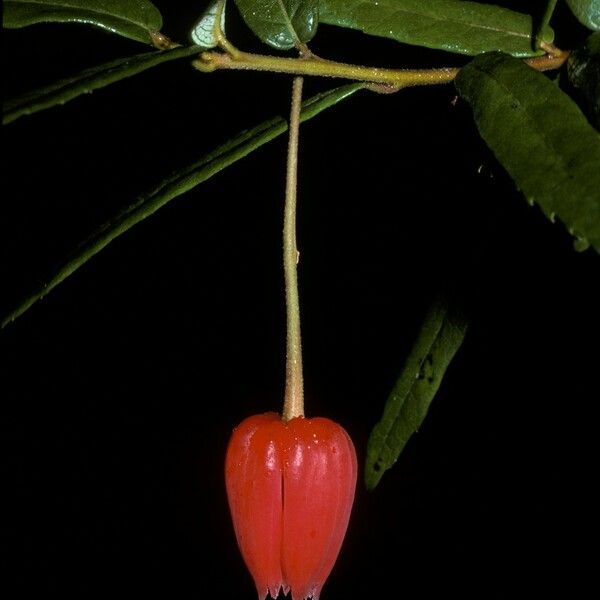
<point>87,81</point>
<point>587,12</point>
<point>541,138</point>
<point>584,74</point>
<point>440,337</point>
<point>135,19</point>
<point>281,23</point>
<point>178,183</point>
<point>452,25</point>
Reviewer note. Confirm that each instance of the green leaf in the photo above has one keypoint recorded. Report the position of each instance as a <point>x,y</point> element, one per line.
<point>440,337</point>
<point>583,68</point>
<point>587,12</point>
<point>135,19</point>
<point>541,138</point>
<point>177,184</point>
<point>87,81</point>
<point>452,25</point>
<point>281,23</point>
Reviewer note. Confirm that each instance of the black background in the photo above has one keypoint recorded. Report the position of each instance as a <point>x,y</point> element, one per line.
<point>120,389</point>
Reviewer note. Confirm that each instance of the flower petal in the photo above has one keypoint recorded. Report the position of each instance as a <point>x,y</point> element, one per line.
<point>319,479</point>
<point>253,476</point>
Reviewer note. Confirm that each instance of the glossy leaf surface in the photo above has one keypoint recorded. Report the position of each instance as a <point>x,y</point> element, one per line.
<point>279,22</point>
<point>135,19</point>
<point>452,25</point>
<point>87,81</point>
<point>541,138</point>
<point>584,74</point>
<point>440,338</point>
<point>178,183</point>
<point>587,12</point>
<point>290,488</point>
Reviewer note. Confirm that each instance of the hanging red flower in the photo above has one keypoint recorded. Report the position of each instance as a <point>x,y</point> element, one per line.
<point>290,487</point>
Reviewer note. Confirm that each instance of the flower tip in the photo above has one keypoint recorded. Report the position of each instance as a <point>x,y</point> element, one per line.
<point>307,595</point>
<point>271,591</point>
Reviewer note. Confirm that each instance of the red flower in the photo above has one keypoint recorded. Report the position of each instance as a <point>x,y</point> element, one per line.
<point>290,487</point>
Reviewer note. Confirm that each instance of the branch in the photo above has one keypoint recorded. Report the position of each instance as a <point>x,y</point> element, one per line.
<point>312,65</point>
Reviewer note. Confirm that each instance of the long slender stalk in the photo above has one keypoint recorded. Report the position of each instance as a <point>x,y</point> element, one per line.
<point>293,405</point>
